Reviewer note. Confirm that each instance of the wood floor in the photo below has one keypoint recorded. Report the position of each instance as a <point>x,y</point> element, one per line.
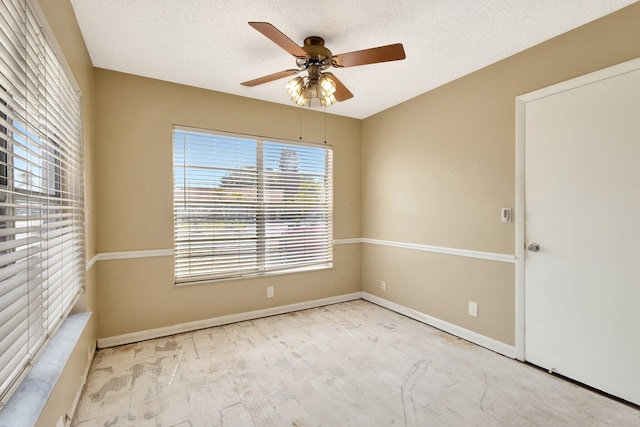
<point>349,364</point>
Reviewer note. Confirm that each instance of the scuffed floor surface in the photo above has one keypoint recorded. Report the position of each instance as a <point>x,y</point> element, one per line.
<point>349,364</point>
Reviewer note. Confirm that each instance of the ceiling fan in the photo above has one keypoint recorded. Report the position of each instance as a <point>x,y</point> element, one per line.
<point>319,87</point>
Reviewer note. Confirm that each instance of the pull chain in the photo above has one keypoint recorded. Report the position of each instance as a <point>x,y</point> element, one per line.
<point>325,124</point>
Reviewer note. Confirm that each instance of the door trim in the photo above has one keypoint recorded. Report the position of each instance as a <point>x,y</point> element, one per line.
<point>520,218</point>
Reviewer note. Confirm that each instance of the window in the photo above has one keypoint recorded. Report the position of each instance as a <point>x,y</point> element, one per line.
<point>246,207</point>
<point>42,266</point>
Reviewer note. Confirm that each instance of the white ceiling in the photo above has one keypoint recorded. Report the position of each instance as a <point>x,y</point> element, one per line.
<point>208,43</point>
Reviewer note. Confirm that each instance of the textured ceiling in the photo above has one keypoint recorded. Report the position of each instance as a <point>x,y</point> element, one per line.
<point>208,44</point>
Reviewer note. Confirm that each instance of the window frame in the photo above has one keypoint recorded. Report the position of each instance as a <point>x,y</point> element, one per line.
<point>261,223</point>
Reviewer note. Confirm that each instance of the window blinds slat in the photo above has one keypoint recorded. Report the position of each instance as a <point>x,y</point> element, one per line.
<point>19,267</point>
<point>41,195</point>
<point>9,326</point>
<point>14,353</point>
<point>244,206</point>
<point>11,257</point>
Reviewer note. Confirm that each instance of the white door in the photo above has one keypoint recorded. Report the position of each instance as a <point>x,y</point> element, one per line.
<point>582,207</point>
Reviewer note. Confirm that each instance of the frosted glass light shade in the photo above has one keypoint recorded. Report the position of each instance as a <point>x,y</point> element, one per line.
<point>312,92</point>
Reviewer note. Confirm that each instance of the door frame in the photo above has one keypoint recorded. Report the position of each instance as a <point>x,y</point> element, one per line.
<point>520,217</point>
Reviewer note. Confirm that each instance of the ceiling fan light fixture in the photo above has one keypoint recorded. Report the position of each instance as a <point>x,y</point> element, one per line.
<point>312,92</point>
<point>327,84</point>
<point>299,98</point>
<point>313,89</point>
<point>328,100</point>
<point>294,86</point>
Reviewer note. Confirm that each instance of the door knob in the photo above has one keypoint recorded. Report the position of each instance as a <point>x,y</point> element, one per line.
<point>533,247</point>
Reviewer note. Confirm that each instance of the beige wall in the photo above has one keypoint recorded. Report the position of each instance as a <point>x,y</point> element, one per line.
<point>437,170</point>
<point>62,21</point>
<point>134,176</point>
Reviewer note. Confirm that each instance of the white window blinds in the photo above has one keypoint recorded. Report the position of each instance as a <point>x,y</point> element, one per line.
<point>42,263</point>
<point>246,206</point>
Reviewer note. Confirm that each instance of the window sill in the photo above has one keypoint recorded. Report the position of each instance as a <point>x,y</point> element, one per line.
<point>27,402</point>
<point>328,266</point>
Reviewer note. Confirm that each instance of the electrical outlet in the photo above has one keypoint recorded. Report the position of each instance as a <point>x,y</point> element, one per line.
<point>383,285</point>
<point>269,291</point>
<point>473,309</point>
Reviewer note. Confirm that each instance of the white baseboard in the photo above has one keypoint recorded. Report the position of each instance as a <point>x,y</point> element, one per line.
<point>221,320</point>
<point>474,337</point>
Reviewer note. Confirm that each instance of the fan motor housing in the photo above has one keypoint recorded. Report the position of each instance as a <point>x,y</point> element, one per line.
<point>317,53</point>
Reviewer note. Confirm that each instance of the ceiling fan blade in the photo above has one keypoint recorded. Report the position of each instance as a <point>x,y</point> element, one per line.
<point>341,93</point>
<point>270,78</point>
<point>392,52</point>
<point>279,38</point>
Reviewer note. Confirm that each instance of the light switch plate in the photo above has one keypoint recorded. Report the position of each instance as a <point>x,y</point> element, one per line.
<point>505,216</point>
